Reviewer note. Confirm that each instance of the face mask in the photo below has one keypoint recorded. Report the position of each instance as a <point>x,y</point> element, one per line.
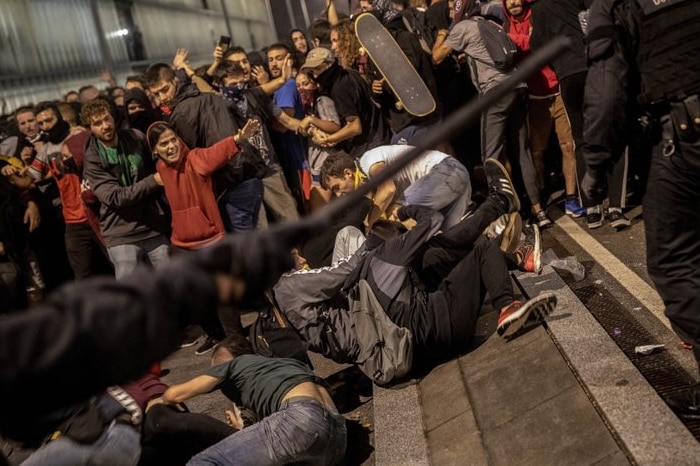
<point>139,120</point>
<point>59,132</point>
<point>308,97</point>
<point>233,93</point>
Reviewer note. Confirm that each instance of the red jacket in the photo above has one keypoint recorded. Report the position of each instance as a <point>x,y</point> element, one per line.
<point>545,82</point>
<point>190,192</point>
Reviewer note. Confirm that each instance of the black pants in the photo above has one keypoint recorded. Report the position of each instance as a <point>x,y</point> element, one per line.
<point>81,246</point>
<point>468,266</point>
<point>226,322</point>
<point>172,437</point>
<point>505,131</point>
<point>672,227</point>
<point>605,127</point>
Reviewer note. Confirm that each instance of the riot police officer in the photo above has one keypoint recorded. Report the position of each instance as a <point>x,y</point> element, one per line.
<point>659,39</point>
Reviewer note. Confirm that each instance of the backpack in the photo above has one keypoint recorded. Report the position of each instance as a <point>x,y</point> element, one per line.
<point>386,350</point>
<point>500,47</point>
<point>416,21</point>
<point>273,336</point>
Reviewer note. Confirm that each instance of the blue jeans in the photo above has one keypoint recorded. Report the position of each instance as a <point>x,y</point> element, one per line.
<point>241,206</point>
<point>126,257</point>
<point>303,430</point>
<point>119,444</point>
<point>446,188</point>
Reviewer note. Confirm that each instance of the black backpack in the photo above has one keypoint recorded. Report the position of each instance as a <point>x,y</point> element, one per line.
<point>500,47</point>
<point>416,21</point>
<point>273,336</point>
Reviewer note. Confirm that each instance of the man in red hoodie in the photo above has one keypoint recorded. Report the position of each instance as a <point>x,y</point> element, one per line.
<point>546,106</point>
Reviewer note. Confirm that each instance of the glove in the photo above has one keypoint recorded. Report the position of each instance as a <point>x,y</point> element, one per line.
<point>594,185</point>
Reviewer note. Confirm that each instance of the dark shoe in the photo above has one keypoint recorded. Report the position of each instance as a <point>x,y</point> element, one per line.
<point>594,218</point>
<point>541,219</point>
<point>191,336</point>
<point>207,346</point>
<point>518,316</point>
<point>686,403</point>
<point>618,220</point>
<point>499,182</point>
<point>529,251</point>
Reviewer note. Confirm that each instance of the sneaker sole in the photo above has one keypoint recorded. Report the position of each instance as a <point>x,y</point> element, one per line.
<point>538,250</point>
<point>619,224</point>
<point>188,343</point>
<point>594,225</point>
<point>574,214</point>
<point>504,174</point>
<point>511,233</point>
<point>199,353</point>
<point>532,313</point>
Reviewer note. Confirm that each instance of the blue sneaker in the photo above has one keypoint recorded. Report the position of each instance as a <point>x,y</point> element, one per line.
<point>573,208</point>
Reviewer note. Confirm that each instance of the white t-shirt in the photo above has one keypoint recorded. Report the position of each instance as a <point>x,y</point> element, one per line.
<point>415,170</point>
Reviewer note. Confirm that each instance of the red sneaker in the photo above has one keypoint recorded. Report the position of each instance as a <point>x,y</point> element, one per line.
<point>529,251</point>
<point>517,315</point>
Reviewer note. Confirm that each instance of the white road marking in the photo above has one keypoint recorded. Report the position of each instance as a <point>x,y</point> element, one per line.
<point>623,274</point>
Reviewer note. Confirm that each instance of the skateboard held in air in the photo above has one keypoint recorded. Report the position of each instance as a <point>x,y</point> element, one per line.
<point>403,79</point>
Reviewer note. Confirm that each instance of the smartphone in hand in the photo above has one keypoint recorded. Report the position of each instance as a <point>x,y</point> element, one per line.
<point>225,43</point>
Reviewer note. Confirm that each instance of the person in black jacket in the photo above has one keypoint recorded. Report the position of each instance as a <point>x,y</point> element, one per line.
<point>202,120</point>
<point>406,128</point>
<point>435,285</point>
<point>660,40</point>
<point>100,332</point>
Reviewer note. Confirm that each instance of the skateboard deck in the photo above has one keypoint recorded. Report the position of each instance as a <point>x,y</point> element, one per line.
<point>402,77</point>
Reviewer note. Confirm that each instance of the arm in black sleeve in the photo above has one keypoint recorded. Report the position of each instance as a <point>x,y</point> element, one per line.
<point>96,333</point>
<point>401,250</point>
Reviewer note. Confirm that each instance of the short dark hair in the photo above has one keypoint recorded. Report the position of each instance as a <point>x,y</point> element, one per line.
<point>228,69</point>
<point>335,165</point>
<point>94,107</point>
<point>86,87</point>
<point>279,46</point>
<point>137,78</point>
<point>48,105</point>
<point>159,72</point>
<point>320,30</point>
<point>68,112</point>
<point>235,344</point>
<point>65,96</point>
<point>24,109</point>
<point>154,132</point>
<point>235,49</point>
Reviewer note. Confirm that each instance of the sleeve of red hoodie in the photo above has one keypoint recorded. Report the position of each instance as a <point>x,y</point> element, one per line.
<point>207,161</point>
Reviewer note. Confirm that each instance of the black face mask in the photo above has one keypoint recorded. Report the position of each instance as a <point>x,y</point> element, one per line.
<point>59,132</point>
<point>139,120</point>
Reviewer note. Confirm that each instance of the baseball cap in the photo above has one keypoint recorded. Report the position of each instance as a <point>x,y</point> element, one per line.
<point>317,57</point>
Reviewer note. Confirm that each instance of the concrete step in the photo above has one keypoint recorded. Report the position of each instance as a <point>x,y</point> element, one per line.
<point>562,393</point>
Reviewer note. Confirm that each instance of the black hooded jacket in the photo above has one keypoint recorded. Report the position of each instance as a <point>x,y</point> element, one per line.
<point>141,120</point>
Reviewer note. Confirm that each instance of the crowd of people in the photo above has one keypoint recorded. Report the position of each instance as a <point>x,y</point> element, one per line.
<point>184,168</point>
